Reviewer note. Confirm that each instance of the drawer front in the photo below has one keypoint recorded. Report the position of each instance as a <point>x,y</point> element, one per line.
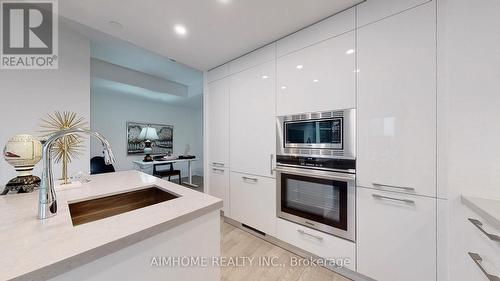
<point>317,242</point>
<point>474,241</point>
<point>396,236</point>
<point>219,187</point>
<point>253,201</point>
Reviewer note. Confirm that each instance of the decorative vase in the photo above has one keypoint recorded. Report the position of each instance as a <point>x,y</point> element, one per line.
<point>23,152</point>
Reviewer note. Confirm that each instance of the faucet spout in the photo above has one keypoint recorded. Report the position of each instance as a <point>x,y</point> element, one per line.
<point>47,206</point>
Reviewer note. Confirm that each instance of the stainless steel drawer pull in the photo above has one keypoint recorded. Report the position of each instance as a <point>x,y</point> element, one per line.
<point>309,234</point>
<point>249,179</point>
<point>478,260</point>
<point>479,225</point>
<point>218,170</point>
<point>392,198</point>
<point>394,186</point>
<point>218,164</point>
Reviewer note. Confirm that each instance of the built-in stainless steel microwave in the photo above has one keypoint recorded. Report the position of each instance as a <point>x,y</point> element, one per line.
<point>319,134</point>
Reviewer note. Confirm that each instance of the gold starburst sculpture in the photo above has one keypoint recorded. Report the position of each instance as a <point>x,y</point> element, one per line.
<point>66,148</point>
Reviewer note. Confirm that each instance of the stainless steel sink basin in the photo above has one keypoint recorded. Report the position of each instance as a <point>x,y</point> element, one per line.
<point>103,207</point>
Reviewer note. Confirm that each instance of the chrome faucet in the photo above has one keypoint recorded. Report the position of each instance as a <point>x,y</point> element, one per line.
<point>47,206</point>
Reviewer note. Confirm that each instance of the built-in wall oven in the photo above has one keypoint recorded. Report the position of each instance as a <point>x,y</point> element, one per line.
<point>316,171</point>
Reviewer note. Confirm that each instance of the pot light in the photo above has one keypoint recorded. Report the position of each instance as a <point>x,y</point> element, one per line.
<point>283,87</point>
<point>224,1</point>
<point>349,52</point>
<point>265,76</point>
<point>300,66</point>
<point>315,81</point>
<point>180,29</point>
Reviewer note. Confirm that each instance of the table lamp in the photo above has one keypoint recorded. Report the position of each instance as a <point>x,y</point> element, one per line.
<point>147,135</point>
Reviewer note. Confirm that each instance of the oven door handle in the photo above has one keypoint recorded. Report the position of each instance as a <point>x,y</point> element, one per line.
<point>316,173</point>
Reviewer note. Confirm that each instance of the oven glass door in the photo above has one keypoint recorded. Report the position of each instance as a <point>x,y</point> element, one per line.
<point>324,133</point>
<point>323,201</point>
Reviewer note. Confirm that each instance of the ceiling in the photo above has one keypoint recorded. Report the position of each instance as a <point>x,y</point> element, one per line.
<point>217,30</point>
<point>115,51</point>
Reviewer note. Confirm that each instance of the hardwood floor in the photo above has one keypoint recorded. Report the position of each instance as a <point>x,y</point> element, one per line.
<point>238,243</point>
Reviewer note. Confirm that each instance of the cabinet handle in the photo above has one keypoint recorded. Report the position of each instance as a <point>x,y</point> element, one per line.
<point>249,179</point>
<point>309,234</point>
<point>220,170</point>
<point>271,163</point>
<point>479,225</point>
<point>218,164</point>
<point>394,186</point>
<point>376,196</point>
<point>478,260</point>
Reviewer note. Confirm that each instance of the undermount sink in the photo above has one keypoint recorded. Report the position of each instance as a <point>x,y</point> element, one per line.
<point>112,205</point>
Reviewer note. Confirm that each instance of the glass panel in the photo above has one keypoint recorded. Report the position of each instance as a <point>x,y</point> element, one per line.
<point>317,199</point>
<point>303,132</point>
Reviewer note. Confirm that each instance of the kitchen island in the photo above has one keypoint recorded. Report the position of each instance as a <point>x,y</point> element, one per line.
<point>143,244</point>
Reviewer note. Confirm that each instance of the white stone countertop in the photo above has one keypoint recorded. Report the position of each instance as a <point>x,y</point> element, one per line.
<point>489,209</point>
<point>32,249</point>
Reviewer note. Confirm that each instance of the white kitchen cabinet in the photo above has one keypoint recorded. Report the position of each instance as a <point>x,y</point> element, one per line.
<point>396,239</point>
<point>219,187</point>
<point>218,123</point>
<point>316,242</point>
<point>472,240</point>
<point>397,103</point>
<point>218,73</point>
<point>373,10</point>
<point>253,201</point>
<point>333,26</point>
<point>252,126</point>
<point>318,78</point>
<point>259,56</point>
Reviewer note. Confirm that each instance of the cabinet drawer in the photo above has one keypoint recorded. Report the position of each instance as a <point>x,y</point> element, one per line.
<point>316,242</point>
<point>474,241</point>
<point>253,201</point>
<point>396,236</point>
<point>219,186</point>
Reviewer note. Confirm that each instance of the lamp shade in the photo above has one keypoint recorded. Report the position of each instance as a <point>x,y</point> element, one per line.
<point>148,133</point>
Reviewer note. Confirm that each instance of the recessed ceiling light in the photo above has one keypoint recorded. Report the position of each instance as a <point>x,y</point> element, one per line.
<point>283,87</point>
<point>265,76</point>
<point>115,24</point>
<point>225,1</point>
<point>180,29</point>
<point>349,52</point>
<point>300,66</point>
<point>315,80</point>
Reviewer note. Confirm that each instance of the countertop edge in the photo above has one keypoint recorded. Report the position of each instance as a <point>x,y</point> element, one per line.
<point>73,262</point>
<point>493,219</point>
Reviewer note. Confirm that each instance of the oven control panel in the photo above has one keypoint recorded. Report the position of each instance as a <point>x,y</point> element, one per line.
<point>317,163</point>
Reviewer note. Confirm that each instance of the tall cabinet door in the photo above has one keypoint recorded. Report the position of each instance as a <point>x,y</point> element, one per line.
<point>252,126</point>
<point>397,103</point>
<point>218,123</point>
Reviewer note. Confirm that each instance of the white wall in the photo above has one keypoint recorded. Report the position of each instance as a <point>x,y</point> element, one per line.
<point>110,112</point>
<point>28,95</point>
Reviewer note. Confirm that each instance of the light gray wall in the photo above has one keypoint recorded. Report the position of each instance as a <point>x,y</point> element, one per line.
<point>110,112</point>
<point>27,95</point>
